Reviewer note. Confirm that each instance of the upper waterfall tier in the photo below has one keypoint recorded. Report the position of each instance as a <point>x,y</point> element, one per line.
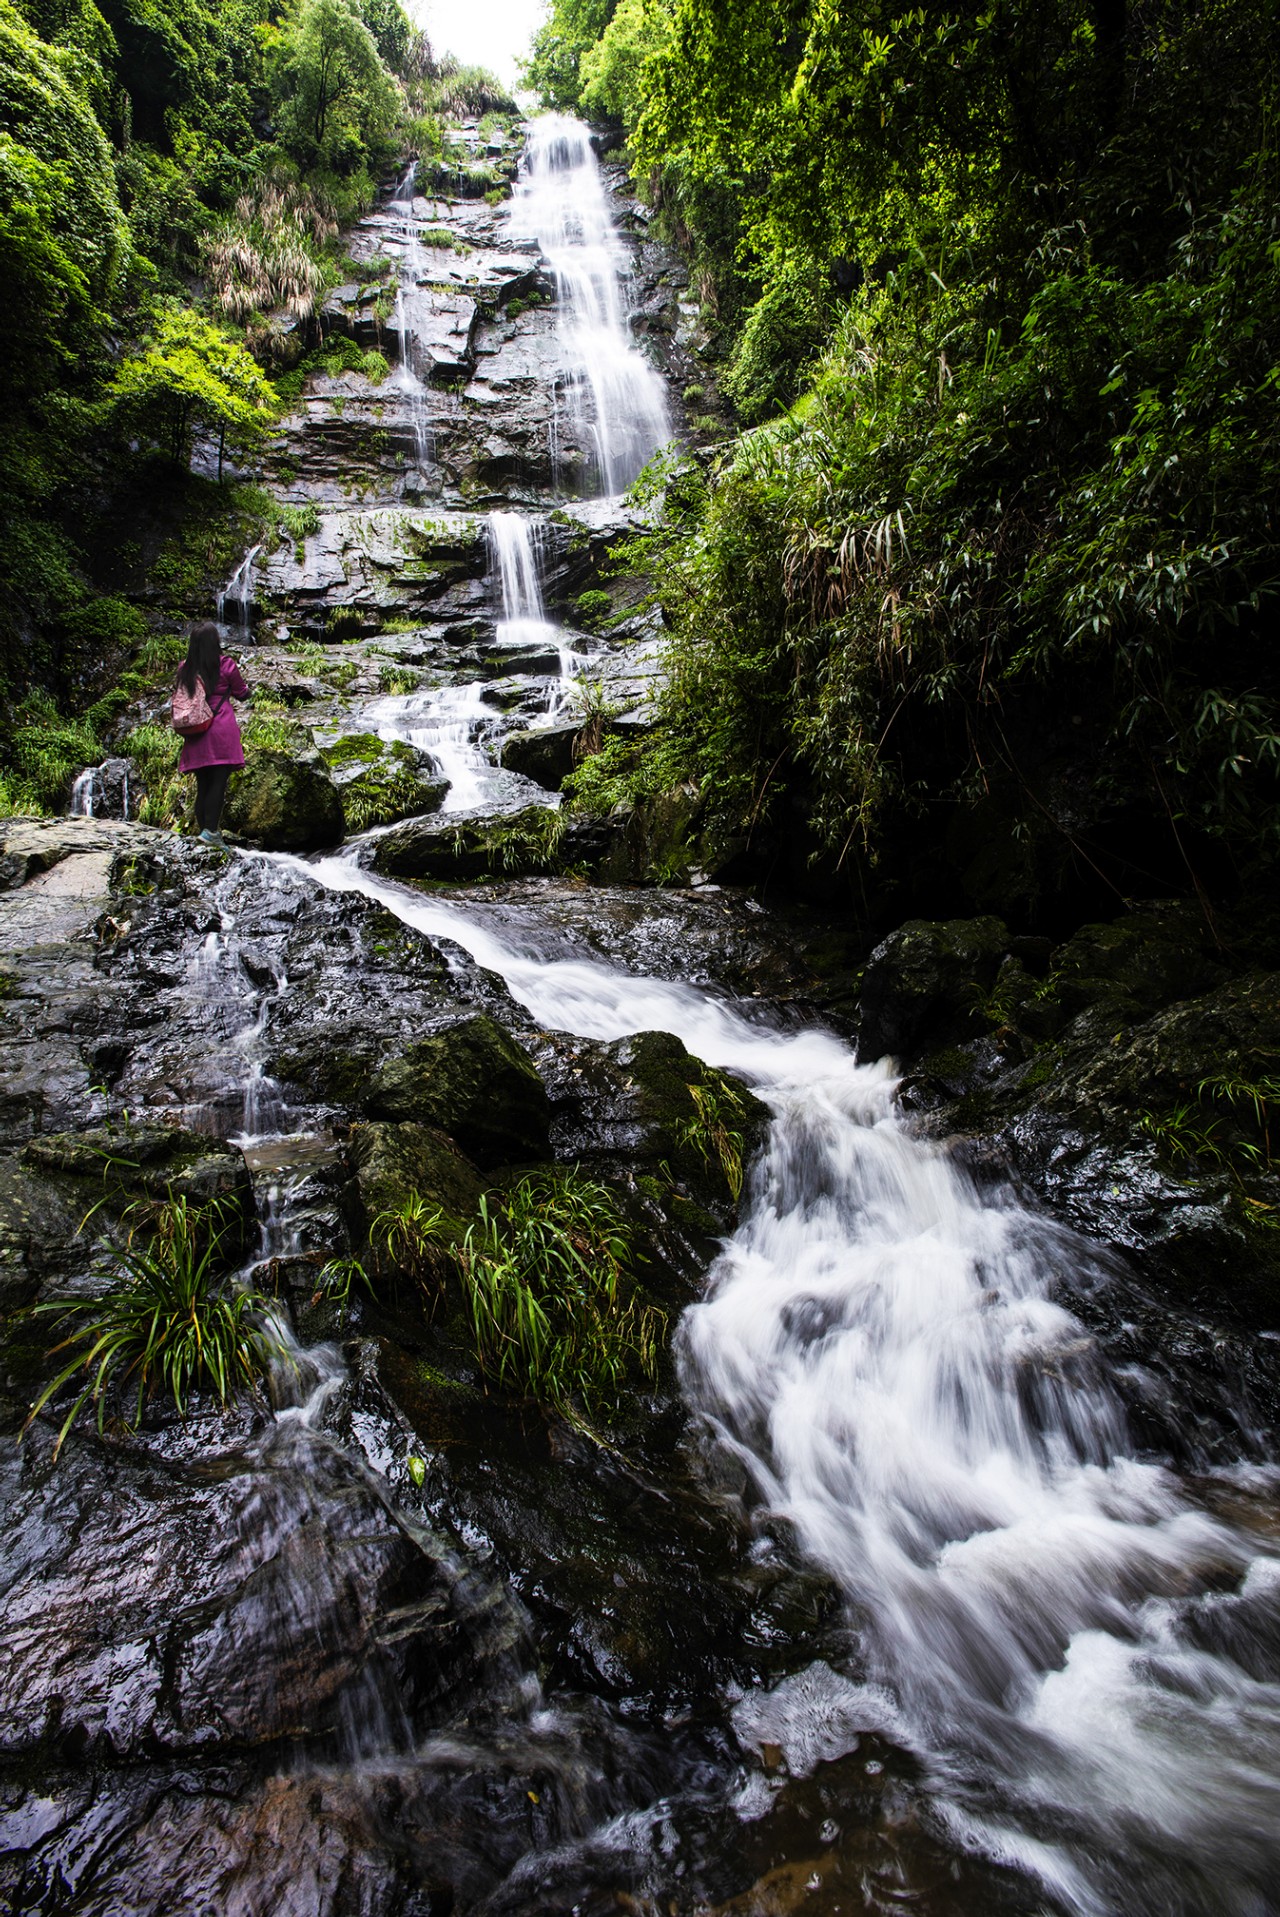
<point>610,385</point>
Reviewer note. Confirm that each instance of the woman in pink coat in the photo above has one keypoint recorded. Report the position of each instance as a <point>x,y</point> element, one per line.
<point>214,756</point>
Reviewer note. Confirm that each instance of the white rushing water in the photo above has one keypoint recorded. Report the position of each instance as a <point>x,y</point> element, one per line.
<point>446,724</point>
<point>1060,1630</point>
<point>236,599</point>
<point>515,542</point>
<point>613,392</point>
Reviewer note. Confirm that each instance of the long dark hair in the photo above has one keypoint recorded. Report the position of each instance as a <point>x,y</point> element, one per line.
<point>204,658</point>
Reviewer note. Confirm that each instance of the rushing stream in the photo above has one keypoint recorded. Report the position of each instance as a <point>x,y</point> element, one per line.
<point>1059,1630</point>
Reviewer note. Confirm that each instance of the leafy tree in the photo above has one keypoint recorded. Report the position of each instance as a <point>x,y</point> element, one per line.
<point>611,73</point>
<point>392,30</point>
<point>46,110</point>
<point>571,29</point>
<point>335,102</point>
<point>190,375</point>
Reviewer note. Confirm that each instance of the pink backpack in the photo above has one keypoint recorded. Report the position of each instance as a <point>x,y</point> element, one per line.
<point>191,714</point>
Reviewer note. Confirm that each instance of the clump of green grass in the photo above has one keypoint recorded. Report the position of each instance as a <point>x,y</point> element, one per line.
<point>546,1274</point>
<point>268,726</point>
<point>398,680</point>
<point>46,751</point>
<point>170,1322</point>
<point>1227,1125</point>
<point>167,793</point>
<point>717,1131</point>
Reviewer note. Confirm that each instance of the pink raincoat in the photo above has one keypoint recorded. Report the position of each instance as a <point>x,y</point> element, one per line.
<point>220,745</point>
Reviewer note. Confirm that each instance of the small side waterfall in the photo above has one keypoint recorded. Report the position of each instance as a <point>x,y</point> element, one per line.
<point>613,391</point>
<point>513,543</point>
<point>405,379</point>
<point>236,599</point>
<point>102,791</point>
<point>84,793</point>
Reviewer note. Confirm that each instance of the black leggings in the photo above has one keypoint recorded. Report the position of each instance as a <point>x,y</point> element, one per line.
<point>211,791</point>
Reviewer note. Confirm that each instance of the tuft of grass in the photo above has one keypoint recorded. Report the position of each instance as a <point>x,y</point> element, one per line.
<point>167,792</point>
<point>170,1323</point>
<point>546,1274</point>
<point>717,1131</point>
<point>1228,1125</point>
<point>398,680</point>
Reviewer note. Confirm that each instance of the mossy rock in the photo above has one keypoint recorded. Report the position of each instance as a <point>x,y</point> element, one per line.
<point>285,804</point>
<point>927,986</point>
<point>392,1162</point>
<point>50,1188</point>
<point>382,781</point>
<point>1136,964</point>
<point>674,1102</point>
<point>474,1082</point>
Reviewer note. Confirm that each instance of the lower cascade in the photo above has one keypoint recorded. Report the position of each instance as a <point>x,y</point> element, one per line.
<point>1033,1607</point>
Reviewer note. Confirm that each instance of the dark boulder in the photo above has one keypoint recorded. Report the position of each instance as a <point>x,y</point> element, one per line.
<point>544,754</point>
<point>285,804</point>
<point>394,1162</point>
<point>64,1189</point>
<point>474,1082</point>
<point>926,985</point>
<point>645,1105</point>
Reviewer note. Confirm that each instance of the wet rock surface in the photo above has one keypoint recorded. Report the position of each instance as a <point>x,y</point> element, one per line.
<point>473,1081</point>
<point>1106,1076</point>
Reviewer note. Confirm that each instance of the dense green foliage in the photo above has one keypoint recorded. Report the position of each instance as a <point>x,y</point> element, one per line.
<point>999,594</point>
<point>173,176</point>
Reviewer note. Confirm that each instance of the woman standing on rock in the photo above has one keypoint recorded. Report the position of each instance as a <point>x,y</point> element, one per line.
<point>213,754</point>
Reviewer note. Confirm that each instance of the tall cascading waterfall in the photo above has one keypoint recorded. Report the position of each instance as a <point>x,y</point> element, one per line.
<point>1070,1638</point>
<point>405,379</point>
<point>613,391</point>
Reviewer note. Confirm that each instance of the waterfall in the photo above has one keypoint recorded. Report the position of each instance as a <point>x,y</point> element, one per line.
<point>85,792</point>
<point>101,791</point>
<point>614,394</point>
<point>444,724</point>
<point>405,379</point>
<point>513,543</point>
<point>236,598</point>
<point>1069,1639</point>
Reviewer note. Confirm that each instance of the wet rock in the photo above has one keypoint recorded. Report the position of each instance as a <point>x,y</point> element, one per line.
<point>393,1162</point>
<point>285,804</point>
<point>1141,1132</point>
<point>544,754</point>
<point>381,781</point>
<point>474,1082</point>
<point>157,1600</point>
<point>646,1106</point>
<point>522,842</point>
<point>926,985</point>
<point>65,1190</point>
<point>1137,963</point>
<point>30,847</point>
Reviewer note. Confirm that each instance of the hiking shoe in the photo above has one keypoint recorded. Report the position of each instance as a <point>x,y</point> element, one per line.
<point>215,839</point>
